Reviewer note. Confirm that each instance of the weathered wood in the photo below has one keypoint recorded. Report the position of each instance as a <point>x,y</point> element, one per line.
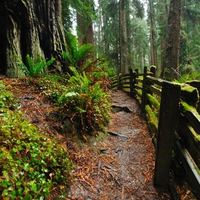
<point>190,94</point>
<point>190,138</point>
<point>166,129</point>
<point>138,79</point>
<point>131,82</point>
<point>152,124</point>
<point>191,175</point>
<point>119,82</point>
<point>138,87</point>
<point>195,83</point>
<point>155,90</point>
<point>192,115</point>
<point>153,101</point>
<point>153,70</point>
<point>144,90</point>
<point>157,81</point>
<point>127,82</point>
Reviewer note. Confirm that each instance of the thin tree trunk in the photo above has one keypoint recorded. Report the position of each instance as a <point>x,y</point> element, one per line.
<point>85,25</point>
<point>30,27</point>
<point>153,48</point>
<point>123,36</point>
<point>162,21</point>
<point>173,40</point>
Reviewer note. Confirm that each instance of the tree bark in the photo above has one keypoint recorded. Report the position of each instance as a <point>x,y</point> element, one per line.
<point>163,13</point>
<point>153,48</point>
<point>30,27</point>
<point>85,25</point>
<point>173,40</point>
<point>123,36</point>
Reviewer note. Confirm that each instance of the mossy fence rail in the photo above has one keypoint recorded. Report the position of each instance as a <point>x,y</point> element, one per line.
<point>173,115</point>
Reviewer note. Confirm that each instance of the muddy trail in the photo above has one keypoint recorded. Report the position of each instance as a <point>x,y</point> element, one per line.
<point>119,167</point>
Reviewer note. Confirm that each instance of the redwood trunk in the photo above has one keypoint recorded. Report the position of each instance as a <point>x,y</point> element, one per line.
<point>30,27</point>
<point>173,40</point>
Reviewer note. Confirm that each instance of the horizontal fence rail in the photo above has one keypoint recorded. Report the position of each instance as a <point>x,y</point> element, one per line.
<point>173,115</point>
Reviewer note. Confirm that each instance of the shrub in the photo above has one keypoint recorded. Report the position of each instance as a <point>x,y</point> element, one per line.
<point>86,102</point>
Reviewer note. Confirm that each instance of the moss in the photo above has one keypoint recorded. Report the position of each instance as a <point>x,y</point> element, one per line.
<point>188,108</point>
<point>154,101</point>
<point>151,117</point>
<point>188,88</point>
<point>190,94</point>
<point>197,170</point>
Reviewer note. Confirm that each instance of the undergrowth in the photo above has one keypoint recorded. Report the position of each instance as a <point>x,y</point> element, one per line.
<point>31,163</point>
<point>33,67</point>
<point>83,98</point>
<point>87,101</point>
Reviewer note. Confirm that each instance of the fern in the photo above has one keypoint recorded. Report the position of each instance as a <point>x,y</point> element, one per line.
<point>76,54</point>
<point>188,77</point>
<point>35,66</point>
<point>87,102</point>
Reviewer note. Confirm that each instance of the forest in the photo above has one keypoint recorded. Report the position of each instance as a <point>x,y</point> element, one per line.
<point>57,58</point>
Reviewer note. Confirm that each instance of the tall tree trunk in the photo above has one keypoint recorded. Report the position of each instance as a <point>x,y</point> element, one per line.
<point>123,36</point>
<point>129,40</point>
<point>173,40</point>
<point>163,12</point>
<point>30,27</point>
<point>153,49</point>
<point>85,25</point>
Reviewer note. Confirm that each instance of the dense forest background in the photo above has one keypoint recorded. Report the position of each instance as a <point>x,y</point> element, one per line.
<point>133,33</point>
<point>127,33</point>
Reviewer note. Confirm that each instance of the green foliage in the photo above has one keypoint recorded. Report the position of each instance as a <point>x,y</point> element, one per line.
<point>76,54</point>
<point>6,97</point>
<point>188,77</point>
<point>87,102</point>
<point>35,66</point>
<point>31,163</point>
<point>52,86</point>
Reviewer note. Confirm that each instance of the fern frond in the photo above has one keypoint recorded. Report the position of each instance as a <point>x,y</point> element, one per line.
<point>31,65</point>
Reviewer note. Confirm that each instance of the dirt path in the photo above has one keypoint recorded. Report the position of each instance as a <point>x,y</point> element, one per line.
<point>121,167</point>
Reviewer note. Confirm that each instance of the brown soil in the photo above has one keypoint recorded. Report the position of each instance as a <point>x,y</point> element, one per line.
<point>120,167</point>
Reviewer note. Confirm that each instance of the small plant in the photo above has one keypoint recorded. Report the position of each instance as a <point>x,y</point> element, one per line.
<point>6,98</point>
<point>76,54</point>
<point>34,67</point>
<point>86,102</point>
<point>31,162</point>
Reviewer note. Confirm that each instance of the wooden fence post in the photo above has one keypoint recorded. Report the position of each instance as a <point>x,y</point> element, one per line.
<point>166,129</point>
<point>144,90</point>
<point>131,82</point>
<point>153,70</point>
<point>119,82</point>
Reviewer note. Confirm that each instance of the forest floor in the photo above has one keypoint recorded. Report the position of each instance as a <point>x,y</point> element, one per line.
<point>118,167</point>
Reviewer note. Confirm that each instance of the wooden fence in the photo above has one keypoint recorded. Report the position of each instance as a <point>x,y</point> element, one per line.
<point>173,115</point>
